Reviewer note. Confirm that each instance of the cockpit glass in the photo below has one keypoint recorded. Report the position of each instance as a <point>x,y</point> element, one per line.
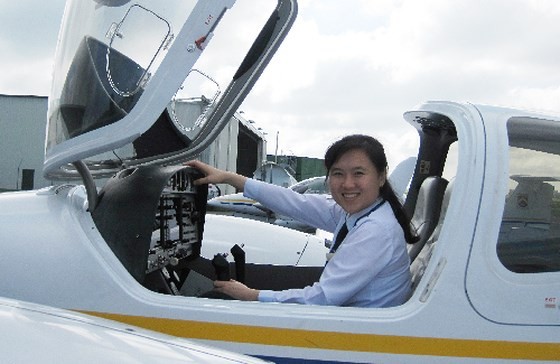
<point>108,53</point>
<point>137,82</point>
<point>128,37</point>
<point>529,239</point>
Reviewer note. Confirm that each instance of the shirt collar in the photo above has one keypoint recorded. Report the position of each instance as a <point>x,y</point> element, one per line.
<point>351,220</point>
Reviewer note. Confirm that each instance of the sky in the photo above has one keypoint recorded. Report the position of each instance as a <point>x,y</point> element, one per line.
<point>354,66</point>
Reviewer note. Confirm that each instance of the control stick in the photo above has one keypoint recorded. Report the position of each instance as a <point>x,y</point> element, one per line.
<point>239,258</point>
<point>221,266</point>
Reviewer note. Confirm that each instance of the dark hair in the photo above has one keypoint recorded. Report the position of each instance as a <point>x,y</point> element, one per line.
<point>375,152</point>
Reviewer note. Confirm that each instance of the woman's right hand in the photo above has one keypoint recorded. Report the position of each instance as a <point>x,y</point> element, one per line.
<point>215,175</point>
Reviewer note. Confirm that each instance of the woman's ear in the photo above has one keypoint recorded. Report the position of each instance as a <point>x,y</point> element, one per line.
<point>383,178</point>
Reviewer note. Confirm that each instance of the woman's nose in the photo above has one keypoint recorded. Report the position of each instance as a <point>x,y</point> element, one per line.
<point>348,181</point>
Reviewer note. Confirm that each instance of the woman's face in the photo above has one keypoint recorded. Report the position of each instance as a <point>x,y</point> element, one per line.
<point>354,181</point>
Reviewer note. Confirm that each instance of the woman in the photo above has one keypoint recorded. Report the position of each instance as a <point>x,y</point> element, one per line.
<point>368,266</point>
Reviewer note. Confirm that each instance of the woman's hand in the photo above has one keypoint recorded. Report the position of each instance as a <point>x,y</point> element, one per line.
<point>236,290</point>
<point>215,175</point>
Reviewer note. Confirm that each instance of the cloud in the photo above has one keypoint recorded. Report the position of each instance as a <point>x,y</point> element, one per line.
<point>29,32</point>
<point>361,76</point>
<point>354,66</point>
<point>538,99</point>
<point>34,78</point>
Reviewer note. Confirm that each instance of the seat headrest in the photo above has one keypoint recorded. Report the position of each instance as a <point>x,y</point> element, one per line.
<point>427,211</point>
<point>429,201</point>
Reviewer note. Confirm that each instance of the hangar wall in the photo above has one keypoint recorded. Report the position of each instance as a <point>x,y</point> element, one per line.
<point>22,141</point>
<point>22,137</point>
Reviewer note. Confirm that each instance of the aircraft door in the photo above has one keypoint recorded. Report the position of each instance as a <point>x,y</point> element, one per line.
<point>513,274</point>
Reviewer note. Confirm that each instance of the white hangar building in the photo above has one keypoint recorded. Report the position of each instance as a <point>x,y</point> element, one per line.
<point>240,147</point>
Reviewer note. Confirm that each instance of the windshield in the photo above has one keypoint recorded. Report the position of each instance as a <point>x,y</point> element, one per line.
<point>108,52</point>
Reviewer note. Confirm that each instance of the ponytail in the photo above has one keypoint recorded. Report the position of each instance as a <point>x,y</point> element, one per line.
<point>404,221</point>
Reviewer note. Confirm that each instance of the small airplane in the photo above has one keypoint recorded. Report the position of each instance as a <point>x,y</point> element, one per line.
<point>132,250</point>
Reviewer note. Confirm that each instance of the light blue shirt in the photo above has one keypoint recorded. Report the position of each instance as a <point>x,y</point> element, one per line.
<point>369,269</point>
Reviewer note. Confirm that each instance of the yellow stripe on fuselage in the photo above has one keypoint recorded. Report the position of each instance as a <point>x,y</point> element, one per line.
<point>387,344</point>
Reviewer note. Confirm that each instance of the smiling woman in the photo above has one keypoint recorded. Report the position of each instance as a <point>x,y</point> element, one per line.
<point>354,181</point>
<point>368,265</point>
<point>364,156</point>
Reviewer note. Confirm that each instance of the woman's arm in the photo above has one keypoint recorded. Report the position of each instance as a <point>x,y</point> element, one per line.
<point>316,210</point>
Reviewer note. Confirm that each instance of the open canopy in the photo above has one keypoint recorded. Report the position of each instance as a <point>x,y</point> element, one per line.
<point>131,85</point>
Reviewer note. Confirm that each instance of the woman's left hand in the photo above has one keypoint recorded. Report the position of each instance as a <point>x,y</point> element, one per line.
<point>236,290</point>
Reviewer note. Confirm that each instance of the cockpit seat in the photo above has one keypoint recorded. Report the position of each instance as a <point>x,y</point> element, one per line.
<point>427,211</point>
<point>419,265</point>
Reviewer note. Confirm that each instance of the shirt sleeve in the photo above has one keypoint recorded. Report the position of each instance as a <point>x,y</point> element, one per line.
<point>316,210</point>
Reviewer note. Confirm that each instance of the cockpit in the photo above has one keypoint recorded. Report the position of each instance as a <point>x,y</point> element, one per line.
<point>133,96</point>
